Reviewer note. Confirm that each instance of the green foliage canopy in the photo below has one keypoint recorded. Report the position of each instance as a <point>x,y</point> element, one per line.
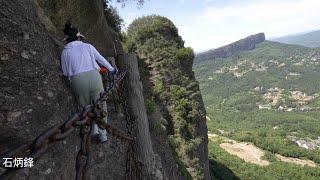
<point>232,102</point>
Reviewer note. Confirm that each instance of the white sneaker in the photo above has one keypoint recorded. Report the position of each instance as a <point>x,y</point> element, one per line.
<point>102,138</point>
<point>95,130</point>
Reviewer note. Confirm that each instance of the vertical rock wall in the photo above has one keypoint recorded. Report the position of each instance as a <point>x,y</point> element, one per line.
<point>87,17</point>
<point>35,96</point>
<point>33,93</point>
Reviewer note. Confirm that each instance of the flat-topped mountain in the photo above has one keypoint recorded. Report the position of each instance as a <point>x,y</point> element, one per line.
<point>268,96</point>
<point>245,44</point>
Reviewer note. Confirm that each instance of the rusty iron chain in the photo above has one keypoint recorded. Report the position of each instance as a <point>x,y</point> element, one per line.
<point>133,169</point>
<point>116,133</point>
<point>90,114</point>
<point>83,157</point>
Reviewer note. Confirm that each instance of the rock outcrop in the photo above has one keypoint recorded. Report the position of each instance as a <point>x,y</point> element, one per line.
<point>167,65</point>
<point>35,96</point>
<point>87,16</point>
<point>245,44</point>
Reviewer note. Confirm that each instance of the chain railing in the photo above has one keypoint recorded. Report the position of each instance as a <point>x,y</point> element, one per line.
<point>90,115</point>
<point>133,162</point>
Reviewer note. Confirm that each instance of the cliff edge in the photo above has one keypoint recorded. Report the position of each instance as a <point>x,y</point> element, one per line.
<point>35,96</point>
<point>171,88</point>
<point>245,44</point>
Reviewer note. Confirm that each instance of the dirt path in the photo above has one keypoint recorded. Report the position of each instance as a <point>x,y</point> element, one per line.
<point>296,161</point>
<point>245,151</point>
<point>249,153</point>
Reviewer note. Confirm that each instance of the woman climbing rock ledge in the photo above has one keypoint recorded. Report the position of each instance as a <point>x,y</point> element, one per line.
<point>79,64</point>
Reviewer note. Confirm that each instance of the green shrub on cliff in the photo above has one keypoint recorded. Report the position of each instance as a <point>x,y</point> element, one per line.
<point>156,29</point>
<point>113,19</point>
<point>155,39</point>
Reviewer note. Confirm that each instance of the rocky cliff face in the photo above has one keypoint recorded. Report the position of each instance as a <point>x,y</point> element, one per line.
<point>167,68</point>
<point>245,44</point>
<point>35,96</point>
<point>87,16</point>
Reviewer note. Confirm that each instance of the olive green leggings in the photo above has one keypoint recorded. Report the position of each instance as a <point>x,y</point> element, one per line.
<point>87,87</point>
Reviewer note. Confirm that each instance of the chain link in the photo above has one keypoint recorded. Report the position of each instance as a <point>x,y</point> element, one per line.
<point>83,157</point>
<point>133,169</point>
<point>90,114</point>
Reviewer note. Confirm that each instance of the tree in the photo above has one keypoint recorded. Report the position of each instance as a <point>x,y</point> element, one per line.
<point>113,19</point>
<point>112,16</point>
<point>123,2</point>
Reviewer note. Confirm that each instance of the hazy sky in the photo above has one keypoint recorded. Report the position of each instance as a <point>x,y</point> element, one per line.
<point>207,24</point>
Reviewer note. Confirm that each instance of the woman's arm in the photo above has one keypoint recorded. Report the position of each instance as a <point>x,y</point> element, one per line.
<point>101,59</point>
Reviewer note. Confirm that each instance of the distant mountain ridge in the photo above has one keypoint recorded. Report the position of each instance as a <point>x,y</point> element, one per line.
<point>245,44</point>
<point>308,39</point>
<point>263,96</point>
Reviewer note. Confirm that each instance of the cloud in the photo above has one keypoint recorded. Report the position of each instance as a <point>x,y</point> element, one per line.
<point>220,24</point>
<point>212,23</point>
<point>130,16</point>
<point>256,11</point>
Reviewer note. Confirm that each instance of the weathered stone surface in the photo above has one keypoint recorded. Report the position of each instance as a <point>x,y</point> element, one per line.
<point>5,57</point>
<point>26,36</point>
<point>33,111</point>
<point>24,54</point>
<point>86,16</point>
<point>50,94</point>
<point>162,165</point>
<point>139,112</point>
<point>22,81</point>
<point>48,171</point>
<point>12,116</point>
